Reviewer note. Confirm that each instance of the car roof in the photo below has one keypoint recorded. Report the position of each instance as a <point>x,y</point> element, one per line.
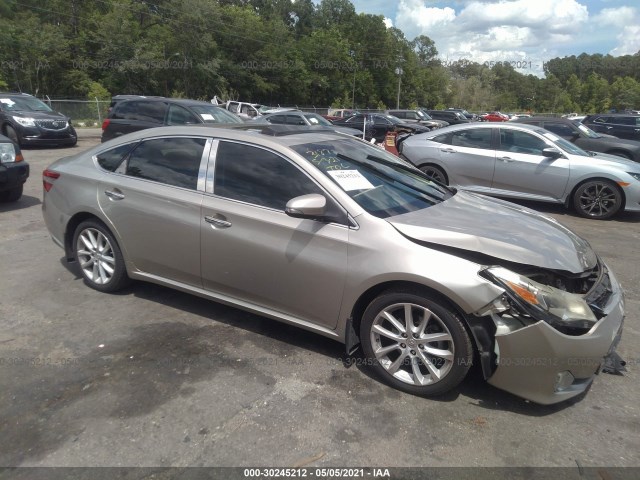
<point>178,101</point>
<point>16,94</point>
<point>543,119</point>
<point>258,133</point>
<point>484,125</point>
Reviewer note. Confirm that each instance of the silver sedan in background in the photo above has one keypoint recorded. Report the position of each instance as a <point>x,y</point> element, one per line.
<point>334,235</point>
<point>527,162</point>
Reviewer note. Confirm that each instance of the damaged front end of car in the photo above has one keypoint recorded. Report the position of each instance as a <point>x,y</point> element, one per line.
<point>549,333</point>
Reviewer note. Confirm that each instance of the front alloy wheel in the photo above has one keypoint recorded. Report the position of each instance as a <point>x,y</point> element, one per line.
<point>415,344</point>
<point>99,257</point>
<point>598,199</point>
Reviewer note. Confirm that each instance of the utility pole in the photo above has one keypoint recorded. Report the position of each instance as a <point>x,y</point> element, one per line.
<point>399,73</point>
<point>353,91</point>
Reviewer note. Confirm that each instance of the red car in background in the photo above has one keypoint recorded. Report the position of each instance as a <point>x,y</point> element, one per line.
<point>494,117</point>
<point>340,114</point>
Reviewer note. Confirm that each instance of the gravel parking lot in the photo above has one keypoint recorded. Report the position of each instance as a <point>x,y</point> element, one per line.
<point>155,377</point>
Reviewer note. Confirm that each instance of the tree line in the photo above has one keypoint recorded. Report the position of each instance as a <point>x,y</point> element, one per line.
<point>279,52</point>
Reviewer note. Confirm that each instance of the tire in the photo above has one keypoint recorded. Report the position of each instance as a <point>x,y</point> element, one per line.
<point>12,195</point>
<point>599,199</point>
<point>99,257</point>
<point>12,134</point>
<point>411,363</point>
<point>75,141</point>
<point>436,173</point>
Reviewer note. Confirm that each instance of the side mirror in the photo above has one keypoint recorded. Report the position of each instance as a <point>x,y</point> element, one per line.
<point>551,152</point>
<point>311,206</point>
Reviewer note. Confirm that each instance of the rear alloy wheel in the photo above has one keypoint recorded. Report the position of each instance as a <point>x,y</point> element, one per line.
<point>598,199</point>
<point>435,173</point>
<point>12,135</point>
<point>415,344</point>
<point>99,257</point>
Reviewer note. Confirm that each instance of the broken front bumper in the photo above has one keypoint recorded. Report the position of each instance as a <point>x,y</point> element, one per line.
<point>541,364</point>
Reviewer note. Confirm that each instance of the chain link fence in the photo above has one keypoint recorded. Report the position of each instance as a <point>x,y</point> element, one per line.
<point>84,113</point>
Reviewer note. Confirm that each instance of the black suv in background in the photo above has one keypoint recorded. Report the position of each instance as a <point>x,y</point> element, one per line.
<point>14,171</point>
<point>453,118</point>
<point>133,115</point>
<point>617,124</point>
<point>586,138</point>
<point>29,121</point>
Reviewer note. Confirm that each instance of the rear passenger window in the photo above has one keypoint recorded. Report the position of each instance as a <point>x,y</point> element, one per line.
<point>560,129</point>
<point>172,161</point>
<point>474,138</point>
<point>111,159</point>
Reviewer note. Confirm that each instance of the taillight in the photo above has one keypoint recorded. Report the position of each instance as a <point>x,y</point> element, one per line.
<point>105,124</point>
<point>47,176</point>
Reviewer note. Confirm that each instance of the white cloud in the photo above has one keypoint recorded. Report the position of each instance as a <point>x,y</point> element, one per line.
<point>497,30</point>
<point>628,41</point>
<point>388,22</point>
<point>625,18</point>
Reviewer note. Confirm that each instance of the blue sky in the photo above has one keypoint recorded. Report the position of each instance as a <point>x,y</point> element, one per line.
<point>525,31</point>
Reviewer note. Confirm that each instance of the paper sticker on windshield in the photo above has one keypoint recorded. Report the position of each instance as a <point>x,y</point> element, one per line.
<point>7,101</point>
<point>350,180</point>
<point>206,116</point>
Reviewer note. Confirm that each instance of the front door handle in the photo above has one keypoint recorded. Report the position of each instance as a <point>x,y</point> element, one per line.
<point>448,150</point>
<point>114,194</point>
<point>217,222</point>
<point>506,159</point>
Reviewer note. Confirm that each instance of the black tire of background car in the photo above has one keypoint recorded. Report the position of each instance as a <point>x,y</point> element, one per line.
<point>436,173</point>
<point>590,193</point>
<point>11,133</point>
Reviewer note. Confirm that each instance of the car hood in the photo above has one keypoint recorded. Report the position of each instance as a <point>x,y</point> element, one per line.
<point>39,115</point>
<point>608,160</point>
<point>615,141</point>
<point>347,130</point>
<point>500,229</point>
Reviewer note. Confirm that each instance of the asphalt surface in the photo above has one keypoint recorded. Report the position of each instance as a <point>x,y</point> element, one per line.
<point>154,377</point>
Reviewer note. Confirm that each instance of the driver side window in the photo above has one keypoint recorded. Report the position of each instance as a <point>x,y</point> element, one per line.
<point>254,175</point>
<point>516,141</point>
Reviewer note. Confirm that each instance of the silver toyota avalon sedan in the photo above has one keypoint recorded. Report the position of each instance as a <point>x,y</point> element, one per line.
<point>527,162</point>
<point>329,233</point>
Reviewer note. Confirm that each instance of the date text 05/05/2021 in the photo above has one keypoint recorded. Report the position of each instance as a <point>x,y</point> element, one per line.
<point>322,473</point>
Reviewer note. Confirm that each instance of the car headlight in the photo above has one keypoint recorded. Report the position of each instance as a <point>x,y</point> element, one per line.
<point>7,153</point>
<point>25,121</point>
<point>542,302</point>
<point>634,175</point>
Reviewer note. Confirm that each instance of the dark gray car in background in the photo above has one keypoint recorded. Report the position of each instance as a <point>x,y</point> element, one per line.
<point>149,112</point>
<point>585,138</point>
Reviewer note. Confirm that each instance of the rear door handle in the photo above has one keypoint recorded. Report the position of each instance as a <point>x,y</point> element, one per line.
<point>448,150</point>
<point>114,194</point>
<point>506,159</point>
<point>217,222</point>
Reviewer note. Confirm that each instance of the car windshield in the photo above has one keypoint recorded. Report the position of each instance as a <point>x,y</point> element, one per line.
<point>563,144</point>
<point>379,182</point>
<point>25,104</point>
<point>587,131</point>
<point>212,114</point>
<point>392,119</point>
<point>424,115</point>
<point>315,119</point>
